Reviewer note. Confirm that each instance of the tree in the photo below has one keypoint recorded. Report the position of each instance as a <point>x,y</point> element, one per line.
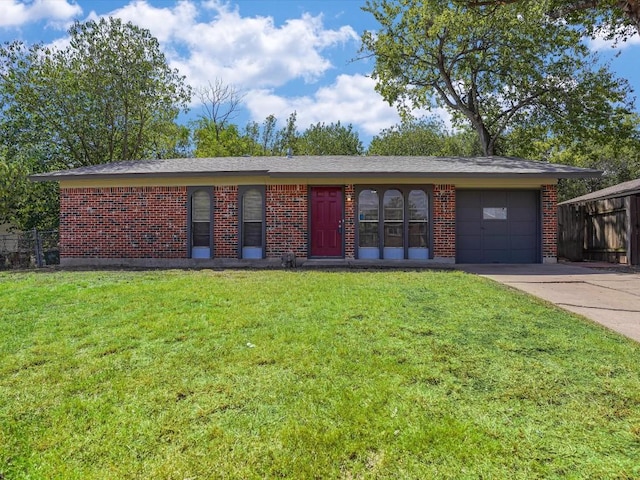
<point>618,156</point>
<point>613,15</point>
<point>213,141</point>
<point>331,139</point>
<point>512,67</point>
<point>287,138</point>
<point>266,139</point>
<point>107,96</point>
<point>424,137</point>
<point>24,204</point>
<point>220,103</point>
<point>619,162</point>
<point>173,141</point>
<point>269,135</point>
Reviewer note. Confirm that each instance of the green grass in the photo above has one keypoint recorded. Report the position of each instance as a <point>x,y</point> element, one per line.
<point>290,374</point>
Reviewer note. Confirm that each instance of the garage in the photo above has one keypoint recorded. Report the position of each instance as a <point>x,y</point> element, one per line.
<point>498,226</point>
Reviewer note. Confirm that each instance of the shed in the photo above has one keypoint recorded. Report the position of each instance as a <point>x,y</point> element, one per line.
<point>602,226</point>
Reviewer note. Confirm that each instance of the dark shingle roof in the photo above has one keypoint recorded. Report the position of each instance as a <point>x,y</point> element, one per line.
<point>620,190</point>
<point>325,166</point>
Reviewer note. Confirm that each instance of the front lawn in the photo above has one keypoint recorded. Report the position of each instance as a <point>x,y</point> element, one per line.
<point>299,374</point>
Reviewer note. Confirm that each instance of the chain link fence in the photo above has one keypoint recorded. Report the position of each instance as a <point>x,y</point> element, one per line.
<point>32,249</point>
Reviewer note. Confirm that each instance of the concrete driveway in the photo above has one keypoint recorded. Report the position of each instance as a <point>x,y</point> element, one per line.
<point>609,296</point>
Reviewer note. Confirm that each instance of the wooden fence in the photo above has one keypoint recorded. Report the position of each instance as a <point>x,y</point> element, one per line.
<point>571,232</point>
<point>604,230</point>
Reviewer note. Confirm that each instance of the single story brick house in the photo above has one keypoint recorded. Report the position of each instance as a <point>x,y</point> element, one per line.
<point>221,211</point>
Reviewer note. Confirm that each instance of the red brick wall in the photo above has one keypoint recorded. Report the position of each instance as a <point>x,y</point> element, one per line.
<point>123,222</point>
<point>287,221</point>
<point>549,221</point>
<point>444,221</point>
<point>150,222</point>
<point>349,221</point>
<point>225,222</point>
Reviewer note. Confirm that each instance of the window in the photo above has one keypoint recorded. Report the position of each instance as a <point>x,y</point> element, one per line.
<point>200,220</point>
<point>393,219</point>
<point>252,222</point>
<point>494,213</point>
<point>368,213</point>
<point>200,224</point>
<point>418,219</point>
<point>393,223</point>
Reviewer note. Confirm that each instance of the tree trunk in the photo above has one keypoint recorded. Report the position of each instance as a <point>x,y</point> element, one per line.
<point>486,140</point>
<point>632,9</point>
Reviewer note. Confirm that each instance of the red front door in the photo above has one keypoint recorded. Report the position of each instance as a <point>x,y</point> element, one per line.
<point>326,221</point>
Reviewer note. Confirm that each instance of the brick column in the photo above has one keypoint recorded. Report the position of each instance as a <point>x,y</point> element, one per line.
<point>444,222</point>
<point>225,221</point>
<point>549,224</point>
<point>287,222</point>
<point>349,221</point>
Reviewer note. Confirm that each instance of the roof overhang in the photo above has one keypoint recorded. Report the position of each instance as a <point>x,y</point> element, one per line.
<point>590,198</point>
<point>305,167</point>
<point>61,176</point>
<point>432,175</point>
<point>624,189</point>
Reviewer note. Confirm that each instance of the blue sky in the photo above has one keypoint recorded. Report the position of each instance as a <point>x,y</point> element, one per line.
<point>283,55</point>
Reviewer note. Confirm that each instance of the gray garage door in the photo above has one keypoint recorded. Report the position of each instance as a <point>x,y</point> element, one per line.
<point>497,226</point>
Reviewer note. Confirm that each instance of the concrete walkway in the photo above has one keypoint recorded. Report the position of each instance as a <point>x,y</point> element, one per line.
<point>609,296</point>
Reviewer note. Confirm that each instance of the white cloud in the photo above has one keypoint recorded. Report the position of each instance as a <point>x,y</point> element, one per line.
<point>16,13</point>
<point>60,43</point>
<point>164,23</point>
<point>351,99</point>
<point>247,52</point>
<point>603,39</point>
<point>211,40</point>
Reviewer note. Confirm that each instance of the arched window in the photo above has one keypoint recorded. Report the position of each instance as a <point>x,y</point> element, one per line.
<point>393,222</point>
<point>393,211</point>
<point>368,224</point>
<point>252,224</point>
<point>418,224</point>
<point>200,224</point>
